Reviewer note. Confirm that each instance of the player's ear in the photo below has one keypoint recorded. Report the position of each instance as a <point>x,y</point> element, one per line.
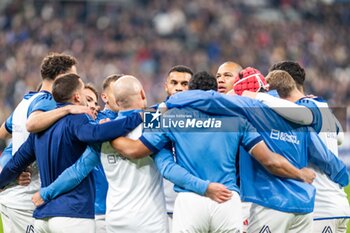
<point>143,95</point>
<point>104,97</point>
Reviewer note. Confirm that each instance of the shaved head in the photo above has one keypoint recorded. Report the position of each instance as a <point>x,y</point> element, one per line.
<point>226,76</point>
<point>129,93</point>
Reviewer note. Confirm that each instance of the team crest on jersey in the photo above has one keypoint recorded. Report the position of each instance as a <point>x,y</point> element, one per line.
<point>265,229</point>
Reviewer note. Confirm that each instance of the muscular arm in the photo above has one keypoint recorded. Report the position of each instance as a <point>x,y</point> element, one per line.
<point>4,134</point>
<point>40,120</point>
<point>131,149</point>
<point>278,165</point>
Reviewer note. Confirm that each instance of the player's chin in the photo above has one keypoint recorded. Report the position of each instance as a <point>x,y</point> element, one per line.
<point>222,90</point>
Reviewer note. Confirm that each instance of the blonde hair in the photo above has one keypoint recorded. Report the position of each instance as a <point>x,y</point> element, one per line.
<point>282,82</point>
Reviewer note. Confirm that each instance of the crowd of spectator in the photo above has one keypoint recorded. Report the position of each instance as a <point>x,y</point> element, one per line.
<point>147,37</point>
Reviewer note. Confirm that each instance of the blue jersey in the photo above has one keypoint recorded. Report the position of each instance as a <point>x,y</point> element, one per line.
<point>205,153</point>
<point>56,149</point>
<point>281,136</point>
<point>6,155</point>
<point>98,172</point>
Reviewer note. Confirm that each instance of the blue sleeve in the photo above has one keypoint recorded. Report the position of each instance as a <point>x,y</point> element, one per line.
<point>211,102</point>
<point>6,156</point>
<point>316,113</point>
<point>19,162</point>
<point>250,137</point>
<point>173,172</point>
<point>154,141</point>
<point>8,124</point>
<point>330,164</point>
<point>44,102</point>
<point>72,176</point>
<point>97,133</point>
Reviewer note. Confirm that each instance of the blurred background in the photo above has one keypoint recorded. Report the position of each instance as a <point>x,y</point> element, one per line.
<point>146,38</point>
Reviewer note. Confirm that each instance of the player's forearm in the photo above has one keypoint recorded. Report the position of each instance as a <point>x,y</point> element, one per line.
<point>129,148</point>
<point>39,121</point>
<point>280,166</point>
<point>3,132</point>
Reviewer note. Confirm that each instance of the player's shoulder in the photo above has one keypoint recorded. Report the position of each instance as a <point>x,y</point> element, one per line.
<point>43,95</point>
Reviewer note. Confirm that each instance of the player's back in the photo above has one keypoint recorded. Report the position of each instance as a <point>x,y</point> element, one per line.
<point>56,149</point>
<point>207,146</point>
<point>135,198</point>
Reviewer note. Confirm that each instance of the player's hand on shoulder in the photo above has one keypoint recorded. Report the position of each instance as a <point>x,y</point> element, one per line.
<point>308,175</point>
<point>24,178</point>
<point>218,192</point>
<point>79,109</point>
<point>37,199</point>
<point>104,120</point>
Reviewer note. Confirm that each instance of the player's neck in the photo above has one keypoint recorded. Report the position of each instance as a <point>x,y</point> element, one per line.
<point>295,95</point>
<point>46,86</point>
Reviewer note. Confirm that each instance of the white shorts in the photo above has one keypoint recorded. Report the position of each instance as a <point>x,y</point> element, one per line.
<point>194,213</point>
<point>331,225</point>
<point>14,220</point>
<point>100,223</point>
<point>64,224</point>
<point>245,214</point>
<point>264,219</point>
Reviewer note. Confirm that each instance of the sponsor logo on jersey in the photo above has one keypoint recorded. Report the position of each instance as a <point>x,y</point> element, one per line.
<point>282,136</point>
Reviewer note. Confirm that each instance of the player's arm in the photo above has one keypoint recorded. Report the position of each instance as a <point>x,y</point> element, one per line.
<point>274,163</point>
<point>90,133</point>
<point>69,178</point>
<point>286,109</point>
<point>41,120</point>
<point>6,128</point>
<point>18,163</point>
<point>331,165</point>
<point>131,149</point>
<point>280,166</point>
<point>176,174</point>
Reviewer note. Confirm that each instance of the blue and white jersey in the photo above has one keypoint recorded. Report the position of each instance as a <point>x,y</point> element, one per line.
<point>98,172</point>
<point>135,198</point>
<point>289,140</point>
<point>19,197</point>
<point>58,148</point>
<point>206,153</point>
<point>331,200</point>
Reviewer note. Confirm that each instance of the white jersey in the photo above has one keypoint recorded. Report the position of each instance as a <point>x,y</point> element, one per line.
<point>19,197</point>
<point>331,200</point>
<point>135,199</point>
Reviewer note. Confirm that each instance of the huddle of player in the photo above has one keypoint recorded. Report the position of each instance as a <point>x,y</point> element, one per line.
<point>95,180</point>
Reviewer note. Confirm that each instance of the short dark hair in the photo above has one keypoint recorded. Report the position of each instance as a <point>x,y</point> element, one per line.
<point>293,69</point>
<point>55,64</point>
<point>111,78</point>
<point>91,87</point>
<point>203,81</point>
<point>64,87</point>
<point>181,69</point>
